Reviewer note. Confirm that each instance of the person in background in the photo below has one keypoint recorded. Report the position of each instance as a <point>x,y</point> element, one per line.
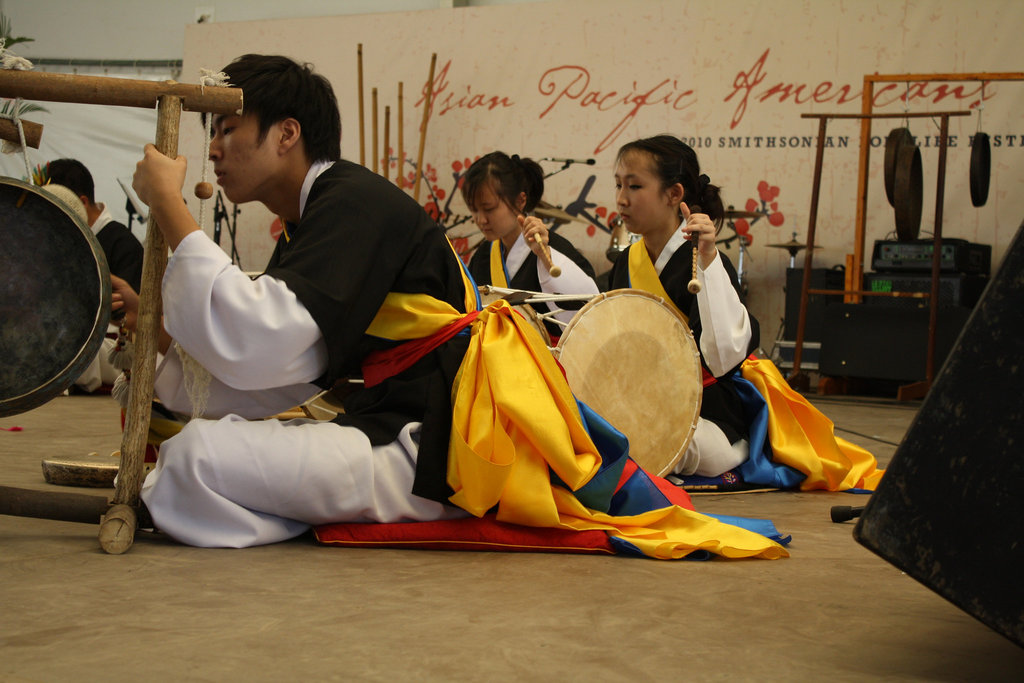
<point>501,191</point>
<point>122,249</point>
<point>124,258</point>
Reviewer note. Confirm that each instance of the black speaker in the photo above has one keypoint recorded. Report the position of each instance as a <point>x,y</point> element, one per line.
<point>821,278</point>
<point>949,508</point>
<point>885,342</point>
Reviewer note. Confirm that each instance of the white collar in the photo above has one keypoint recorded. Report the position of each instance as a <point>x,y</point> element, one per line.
<point>101,220</point>
<point>311,175</point>
<point>516,256</point>
<point>674,242</point>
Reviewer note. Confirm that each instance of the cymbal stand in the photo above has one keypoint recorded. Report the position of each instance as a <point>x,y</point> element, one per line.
<point>740,271</point>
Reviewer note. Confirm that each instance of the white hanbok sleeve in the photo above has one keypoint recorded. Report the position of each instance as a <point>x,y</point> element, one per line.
<point>169,387</point>
<point>249,334</point>
<point>725,324</point>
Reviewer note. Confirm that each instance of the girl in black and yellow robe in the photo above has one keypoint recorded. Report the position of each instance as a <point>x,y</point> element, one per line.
<point>751,421</point>
<point>500,191</point>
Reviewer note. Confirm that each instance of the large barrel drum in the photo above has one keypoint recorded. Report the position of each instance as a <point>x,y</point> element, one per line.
<point>54,296</point>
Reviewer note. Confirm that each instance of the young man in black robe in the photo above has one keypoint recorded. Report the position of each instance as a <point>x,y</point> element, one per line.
<point>351,238</point>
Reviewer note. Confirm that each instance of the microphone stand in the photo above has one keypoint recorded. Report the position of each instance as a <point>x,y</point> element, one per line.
<point>131,212</point>
<point>220,213</point>
<point>548,175</point>
<point>566,163</point>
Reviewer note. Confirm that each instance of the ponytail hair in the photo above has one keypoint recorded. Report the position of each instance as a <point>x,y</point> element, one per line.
<point>674,161</point>
<point>507,176</point>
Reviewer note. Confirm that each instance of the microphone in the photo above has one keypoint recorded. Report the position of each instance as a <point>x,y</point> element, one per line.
<point>844,513</point>
<point>560,160</point>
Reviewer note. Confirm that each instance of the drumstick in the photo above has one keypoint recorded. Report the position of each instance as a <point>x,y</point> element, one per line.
<point>693,286</point>
<point>362,133</point>
<point>546,254</point>
<point>423,128</point>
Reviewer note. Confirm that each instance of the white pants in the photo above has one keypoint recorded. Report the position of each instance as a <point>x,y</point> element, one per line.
<point>710,453</point>
<point>237,483</point>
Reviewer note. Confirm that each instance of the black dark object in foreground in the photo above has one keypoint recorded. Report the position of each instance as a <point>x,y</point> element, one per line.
<point>948,510</point>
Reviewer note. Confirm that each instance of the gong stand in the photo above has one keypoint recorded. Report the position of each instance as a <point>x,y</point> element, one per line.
<point>118,524</point>
<point>855,261</point>
<point>799,380</point>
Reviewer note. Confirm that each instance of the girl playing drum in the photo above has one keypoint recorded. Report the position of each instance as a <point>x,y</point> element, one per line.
<point>751,421</point>
<point>500,192</point>
<point>659,189</point>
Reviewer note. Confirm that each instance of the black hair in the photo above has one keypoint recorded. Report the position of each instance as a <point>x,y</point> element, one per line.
<point>72,174</point>
<point>275,88</point>
<point>676,162</point>
<point>507,176</point>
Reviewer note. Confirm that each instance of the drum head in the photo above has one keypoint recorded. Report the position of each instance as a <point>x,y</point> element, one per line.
<point>54,297</point>
<point>633,359</point>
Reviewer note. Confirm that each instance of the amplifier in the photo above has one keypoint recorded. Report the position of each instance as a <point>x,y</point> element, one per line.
<point>915,256</point>
<point>954,290</point>
<point>875,342</point>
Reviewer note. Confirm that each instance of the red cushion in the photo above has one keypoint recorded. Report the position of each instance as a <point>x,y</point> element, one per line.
<point>471,533</point>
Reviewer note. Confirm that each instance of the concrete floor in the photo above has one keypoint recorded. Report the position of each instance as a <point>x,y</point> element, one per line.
<point>298,611</point>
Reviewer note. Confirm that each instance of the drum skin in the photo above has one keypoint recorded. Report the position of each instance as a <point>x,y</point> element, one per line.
<point>632,358</point>
<point>54,297</point>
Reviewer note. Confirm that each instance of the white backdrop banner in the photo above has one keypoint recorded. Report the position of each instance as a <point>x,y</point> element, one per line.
<point>577,79</point>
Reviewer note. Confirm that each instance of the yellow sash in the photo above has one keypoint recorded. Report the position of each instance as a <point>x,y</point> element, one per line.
<point>515,421</point>
<point>799,434</point>
<point>498,278</point>
<point>802,437</point>
<point>642,275</point>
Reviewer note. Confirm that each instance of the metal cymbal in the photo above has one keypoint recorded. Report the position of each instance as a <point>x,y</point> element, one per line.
<point>557,214</point>
<point>792,245</point>
<point>733,214</point>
